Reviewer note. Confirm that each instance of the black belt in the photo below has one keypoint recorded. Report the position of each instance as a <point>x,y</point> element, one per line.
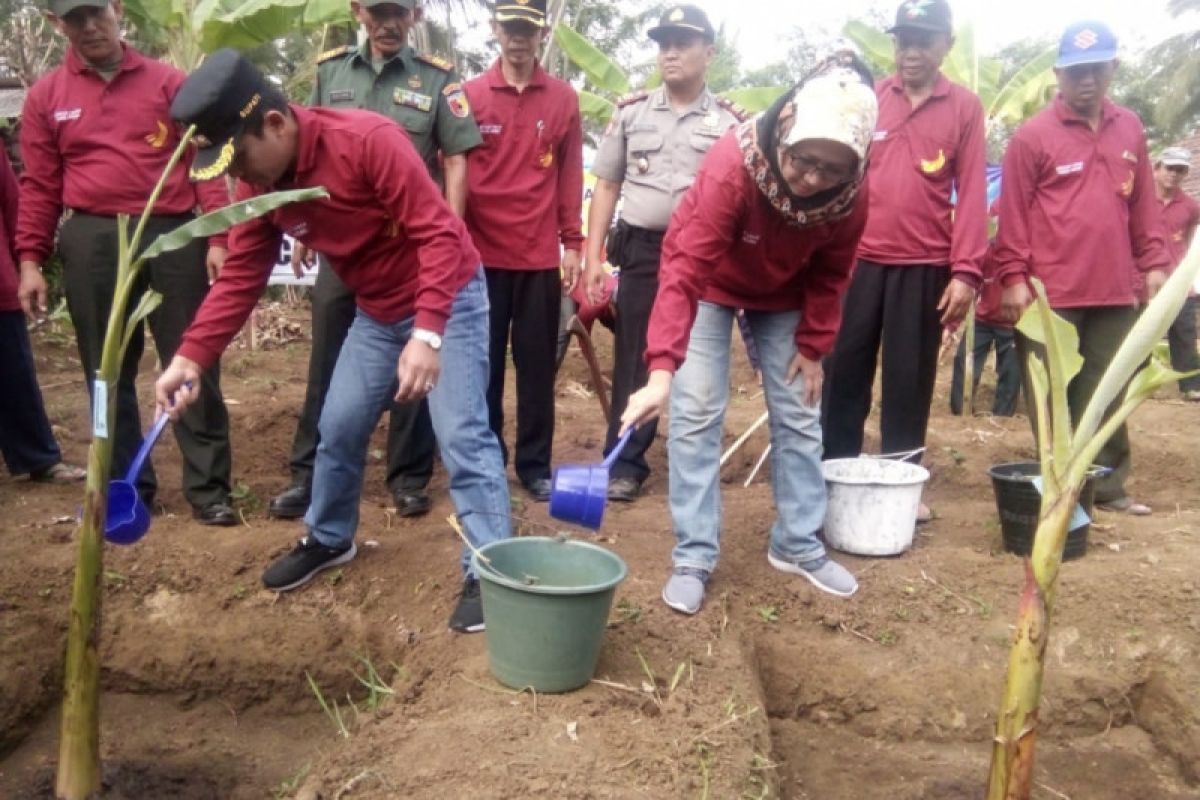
<point>645,234</point>
<point>187,215</point>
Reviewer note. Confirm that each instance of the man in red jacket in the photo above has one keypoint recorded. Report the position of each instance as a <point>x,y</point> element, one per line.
<point>26,439</point>
<point>1181,215</point>
<point>422,301</point>
<point>920,256</point>
<point>524,202</point>
<point>96,134</point>
<point>1078,212</point>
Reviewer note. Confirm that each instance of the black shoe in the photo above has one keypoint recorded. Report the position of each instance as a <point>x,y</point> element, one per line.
<point>300,566</point>
<point>411,502</point>
<point>468,614</point>
<point>218,513</point>
<point>292,504</point>
<point>538,488</point>
<point>624,490</point>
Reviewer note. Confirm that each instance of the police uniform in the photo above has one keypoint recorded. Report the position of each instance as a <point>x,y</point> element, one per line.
<point>425,95</point>
<point>654,153</point>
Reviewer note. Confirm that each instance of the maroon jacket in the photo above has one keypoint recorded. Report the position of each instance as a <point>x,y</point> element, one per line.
<point>526,179</point>
<point>8,225</point>
<point>100,147</point>
<point>1078,209</point>
<point>727,245</point>
<point>919,158</point>
<point>385,229</point>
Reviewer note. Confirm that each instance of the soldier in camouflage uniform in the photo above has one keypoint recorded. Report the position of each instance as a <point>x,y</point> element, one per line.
<point>423,94</point>
<point>650,153</point>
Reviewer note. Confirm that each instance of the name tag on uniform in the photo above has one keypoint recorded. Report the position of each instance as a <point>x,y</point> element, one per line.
<point>1067,169</point>
<point>878,136</point>
<point>341,95</point>
<point>406,97</point>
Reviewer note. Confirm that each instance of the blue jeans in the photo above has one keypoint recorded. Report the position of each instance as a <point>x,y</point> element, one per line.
<point>699,395</point>
<point>362,387</point>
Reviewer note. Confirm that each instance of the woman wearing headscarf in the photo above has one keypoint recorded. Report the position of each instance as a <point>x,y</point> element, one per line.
<point>770,225</point>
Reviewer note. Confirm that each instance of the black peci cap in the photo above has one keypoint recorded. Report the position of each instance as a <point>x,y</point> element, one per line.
<point>686,18</point>
<point>532,11</point>
<point>216,98</point>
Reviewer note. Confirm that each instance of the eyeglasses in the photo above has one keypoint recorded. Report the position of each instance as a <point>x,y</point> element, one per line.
<point>1178,169</point>
<point>806,165</point>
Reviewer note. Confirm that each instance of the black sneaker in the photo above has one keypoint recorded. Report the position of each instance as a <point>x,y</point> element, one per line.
<point>300,566</point>
<point>468,614</point>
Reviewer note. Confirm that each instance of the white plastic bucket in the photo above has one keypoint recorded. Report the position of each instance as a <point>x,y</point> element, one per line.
<point>873,504</point>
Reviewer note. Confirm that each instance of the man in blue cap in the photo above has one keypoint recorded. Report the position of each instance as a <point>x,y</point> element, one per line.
<point>1079,213</point>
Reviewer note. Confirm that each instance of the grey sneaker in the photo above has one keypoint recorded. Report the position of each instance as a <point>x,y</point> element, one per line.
<point>684,591</point>
<point>828,576</point>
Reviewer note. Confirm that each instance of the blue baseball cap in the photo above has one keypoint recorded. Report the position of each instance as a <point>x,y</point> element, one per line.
<point>1087,42</point>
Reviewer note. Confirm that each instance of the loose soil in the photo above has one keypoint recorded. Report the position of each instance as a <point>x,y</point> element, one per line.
<point>772,691</point>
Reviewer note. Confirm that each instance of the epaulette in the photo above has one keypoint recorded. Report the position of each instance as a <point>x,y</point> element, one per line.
<point>334,53</point>
<point>435,61</point>
<point>630,99</point>
<point>739,113</point>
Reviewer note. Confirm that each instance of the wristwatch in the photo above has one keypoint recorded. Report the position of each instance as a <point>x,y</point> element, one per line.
<point>428,337</point>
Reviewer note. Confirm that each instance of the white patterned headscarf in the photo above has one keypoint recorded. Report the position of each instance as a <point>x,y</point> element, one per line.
<point>835,102</point>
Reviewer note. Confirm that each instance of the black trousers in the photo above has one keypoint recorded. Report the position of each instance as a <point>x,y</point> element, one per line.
<point>1008,369</point>
<point>1101,330</point>
<point>637,251</point>
<point>88,245</point>
<point>410,444</point>
<point>1182,339</point>
<point>26,440</point>
<point>524,309</point>
<point>896,307</point>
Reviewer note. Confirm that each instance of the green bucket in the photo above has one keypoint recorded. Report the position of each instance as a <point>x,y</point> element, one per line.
<point>546,604</point>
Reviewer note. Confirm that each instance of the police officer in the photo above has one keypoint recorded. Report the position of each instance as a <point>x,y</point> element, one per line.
<point>423,94</point>
<point>651,152</point>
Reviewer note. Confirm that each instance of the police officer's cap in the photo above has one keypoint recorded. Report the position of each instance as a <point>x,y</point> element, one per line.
<point>531,11</point>
<point>61,8</point>
<point>217,98</point>
<point>686,19</point>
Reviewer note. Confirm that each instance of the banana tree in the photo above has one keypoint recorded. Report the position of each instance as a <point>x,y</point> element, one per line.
<point>188,29</point>
<point>79,745</point>
<point>1066,457</point>
<point>1010,102</point>
<point>607,76</point>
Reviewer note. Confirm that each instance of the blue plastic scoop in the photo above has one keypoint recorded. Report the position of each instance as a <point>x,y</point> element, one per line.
<point>128,519</point>
<point>579,492</point>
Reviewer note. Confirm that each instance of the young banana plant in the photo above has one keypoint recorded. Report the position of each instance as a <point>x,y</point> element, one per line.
<point>79,745</point>
<point>1066,457</point>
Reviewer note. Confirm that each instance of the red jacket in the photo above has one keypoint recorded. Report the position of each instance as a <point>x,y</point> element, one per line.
<point>727,245</point>
<point>100,147</point>
<point>8,225</point>
<point>919,158</point>
<point>526,179</point>
<point>1078,209</point>
<point>384,228</point>
<point>1181,215</point>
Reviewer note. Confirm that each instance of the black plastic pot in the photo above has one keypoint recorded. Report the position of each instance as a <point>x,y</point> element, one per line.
<point>1020,504</point>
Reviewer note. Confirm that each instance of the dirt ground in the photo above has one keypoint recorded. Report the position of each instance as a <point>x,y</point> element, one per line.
<point>773,690</point>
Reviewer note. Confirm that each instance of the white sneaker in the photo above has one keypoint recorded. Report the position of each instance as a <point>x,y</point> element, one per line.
<point>828,576</point>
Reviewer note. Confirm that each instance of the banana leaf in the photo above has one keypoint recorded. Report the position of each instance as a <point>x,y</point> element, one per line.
<point>754,98</point>
<point>602,71</point>
<point>596,108</point>
<point>221,220</point>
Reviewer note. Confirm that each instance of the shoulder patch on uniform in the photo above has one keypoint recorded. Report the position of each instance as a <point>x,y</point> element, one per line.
<point>630,99</point>
<point>435,61</point>
<point>336,52</point>
<point>738,112</point>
